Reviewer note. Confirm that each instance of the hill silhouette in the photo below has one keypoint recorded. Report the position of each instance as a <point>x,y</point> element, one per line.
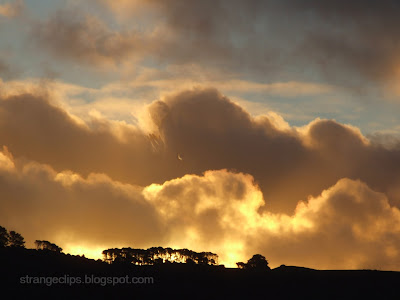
<point>45,273</point>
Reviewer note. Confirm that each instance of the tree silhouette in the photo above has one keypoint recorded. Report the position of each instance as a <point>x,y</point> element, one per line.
<point>4,237</point>
<point>158,255</point>
<point>46,245</point>
<point>257,262</point>
<point>16,239</point>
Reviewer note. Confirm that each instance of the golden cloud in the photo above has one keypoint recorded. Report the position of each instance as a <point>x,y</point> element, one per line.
<point>210,132</point>
<point>206,175</point>
<point>346,226</point>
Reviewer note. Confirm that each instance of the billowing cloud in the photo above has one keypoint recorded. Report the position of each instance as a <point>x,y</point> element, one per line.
<point>70,144</point>
<point>217,211</point>
<point>68,208</point>
<point>209,132</point>
<point>85,167</point>
<point>157,178</point>
<point>307,159</point>
<point>347,226</point>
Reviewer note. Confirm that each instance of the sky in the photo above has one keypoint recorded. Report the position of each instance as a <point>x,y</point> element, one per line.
<point>236,127</point>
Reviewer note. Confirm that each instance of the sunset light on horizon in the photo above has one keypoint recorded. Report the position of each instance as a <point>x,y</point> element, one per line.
<point>227,127</point>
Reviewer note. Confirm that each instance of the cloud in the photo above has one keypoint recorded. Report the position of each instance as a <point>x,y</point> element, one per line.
<point>11,9</point>
<point>331,37</point>
<point>196,168</point>
<point>67,208</point>
<point>236,191</point>
<point>242,40</point>
<point>8,70</point>
<point>389,138</point>
<point>349,226</point>
<point>283,89</point>
<point>210,132</point>
<point>215,211</point>
<point>4,69</point>
<point>85,38</point>
<point>214,133</point>
<point>115,148</point>
<point>346,226</point>
<point>328,39</point>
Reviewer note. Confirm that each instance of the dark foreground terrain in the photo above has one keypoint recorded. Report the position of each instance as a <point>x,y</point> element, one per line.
<point>30,274</point>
